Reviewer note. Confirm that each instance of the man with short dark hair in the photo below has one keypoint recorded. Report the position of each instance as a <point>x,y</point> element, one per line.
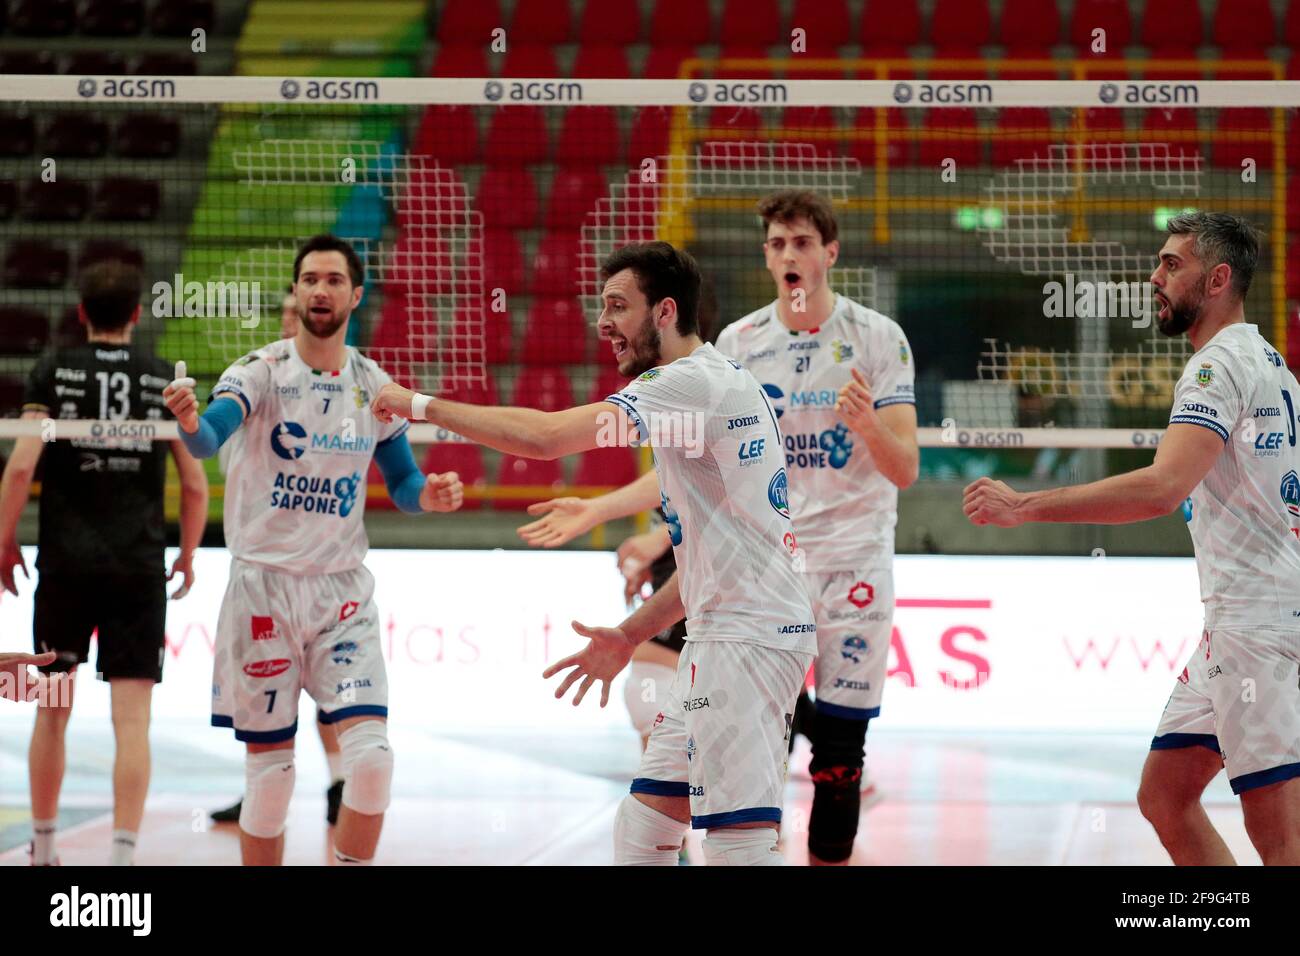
<point>1230,459</point>
<point>100,550</point>
<point>716,757</point>
<point>299,611</point>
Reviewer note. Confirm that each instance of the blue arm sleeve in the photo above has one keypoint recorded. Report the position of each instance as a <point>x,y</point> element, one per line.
<point>217,424</point>
<point>402,476</point>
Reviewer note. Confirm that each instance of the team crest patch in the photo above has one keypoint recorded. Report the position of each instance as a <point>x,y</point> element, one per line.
<point>649,376</point>
<point>1290,492</point>
<point>361,395</point>
<point>248,359</point>
<point>1205,374</point>
<point>841,351</point>
<point>902,351</point>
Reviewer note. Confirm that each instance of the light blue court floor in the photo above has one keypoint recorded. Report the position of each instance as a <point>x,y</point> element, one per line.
<point>520,798</point>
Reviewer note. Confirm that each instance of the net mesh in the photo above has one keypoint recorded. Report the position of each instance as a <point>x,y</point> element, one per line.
<point>1012,244</point>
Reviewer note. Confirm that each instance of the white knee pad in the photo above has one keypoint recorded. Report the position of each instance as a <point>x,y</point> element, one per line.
<point>268,788</point>
<point>733,847</point>
<point>367,767</point>
<point>640,831</point>
<point>645,691</point>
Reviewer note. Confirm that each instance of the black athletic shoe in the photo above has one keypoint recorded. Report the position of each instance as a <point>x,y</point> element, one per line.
<point>333,800</point>
<point>230,814</point>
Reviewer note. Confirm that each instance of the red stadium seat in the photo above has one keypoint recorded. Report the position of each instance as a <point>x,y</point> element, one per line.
<point>680,23</point>
<point>756,22</point>
<point>76,135</point>
<point>541,21</point>
<point>529,62</point>
<point>960,138</point>
<point>898,151</point>
<point>947,74</point>
<point>1242,134</point>
<point>478,392</point>
<point>70,332</point>
<point>503,265</point>
<point>1029,25</point>
<point>42,18</point>
<point>392,331</point>
<point>557,266</point>
<point>23,331</point>
<point>147,136</point>
<point>515,472</point>
<point>112,18</point>
<point>179,18</point>
<point>547,389</point>
<point>11,396</point>
<point>649,136</point>
<point>465,460</point>
<point>486,333</point>
<point>574,193</point>
<point>95,63</point>
<point>742,122</point>
<point>556,333</point>
<point>1172,28</point>
<point>63,201</point>
<point>826,25</point>
<point>601,62</point>
<point>961,24</point>
<point>8,199</point>
<point>98,250</point>
<point>35,264</point>
<point>28,61</point>
<point>507,197</point>
<point>1291,25</point>
<point>1109,15</point>
<point>428,196</point>
<point>589,136</point>
<point>17,134</point>
<point>165,64</point>
<point>665,62</point>
<point>452,61</point>
<point>607,383</point>
<point>1099,119</point>
<point>1021,72</point>
<point>818,122</point>
<point>742,52</point>
<point>616,22</point>
<point>1244,27</point>
<point>517,135</point>
<point>607,467</point>
<point>1160,122</point>
<point>469,22</point>
<point>1022,133</point>
<point>127,199</point>
<point>888,24</point>
<point>448,133</point>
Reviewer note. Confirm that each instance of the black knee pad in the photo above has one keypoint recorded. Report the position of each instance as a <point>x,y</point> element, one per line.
<point>837,781</point>
<point>804,715</point>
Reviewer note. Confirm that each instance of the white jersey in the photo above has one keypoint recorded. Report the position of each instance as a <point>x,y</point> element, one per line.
<point>845,510</point>
<point>1244,516</point>
<point>296,476</point>
<point>717,454</point>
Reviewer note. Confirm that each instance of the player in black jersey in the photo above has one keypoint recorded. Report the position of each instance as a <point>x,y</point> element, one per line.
<point>101,539</point>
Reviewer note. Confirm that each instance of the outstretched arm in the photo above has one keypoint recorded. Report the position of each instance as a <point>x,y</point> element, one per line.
<point>567,518</point>
<point>526,432</point>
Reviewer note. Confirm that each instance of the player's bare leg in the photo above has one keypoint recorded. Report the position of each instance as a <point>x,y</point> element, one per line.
<point>131,763</point>
<point>1273,821</point>
<point>258,850</point>
<point>46,759</point>
<point>1170,798</point>
<point>367,784</point>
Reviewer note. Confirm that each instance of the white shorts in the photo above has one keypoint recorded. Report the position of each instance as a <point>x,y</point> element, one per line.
<point>722,738</point>
<point>855,619</point>
<point>1239,695</point>
<point>280,634</point>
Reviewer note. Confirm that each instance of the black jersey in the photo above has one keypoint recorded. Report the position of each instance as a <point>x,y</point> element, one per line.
<point>102,497</point>
<point>663,568</point>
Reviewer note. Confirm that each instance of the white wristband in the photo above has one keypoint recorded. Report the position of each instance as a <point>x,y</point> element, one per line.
<point>419,405</point>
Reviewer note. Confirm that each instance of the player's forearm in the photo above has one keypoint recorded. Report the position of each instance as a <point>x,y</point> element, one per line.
<point>515,431</point>
<point>660,611</point>
<point>896,459</point>
<point>632,498</point>
<point>15,489</point>
<point>1134,496</point>
<point>194,505</point>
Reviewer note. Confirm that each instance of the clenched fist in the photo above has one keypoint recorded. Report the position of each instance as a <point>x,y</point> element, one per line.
<point>393,401</point>
<point>443,492</point>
